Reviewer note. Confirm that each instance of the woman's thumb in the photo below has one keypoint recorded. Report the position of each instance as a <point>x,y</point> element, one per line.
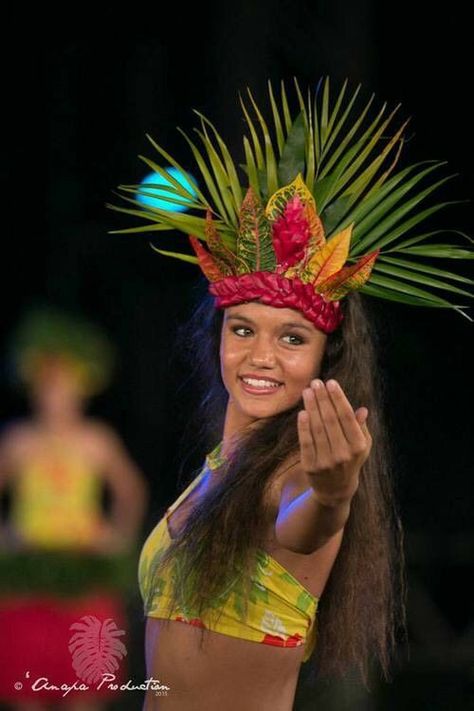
<point>361,415</point>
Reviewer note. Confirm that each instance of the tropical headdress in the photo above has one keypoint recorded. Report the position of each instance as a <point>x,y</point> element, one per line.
<point>48,335</point>
<point>320,214</point>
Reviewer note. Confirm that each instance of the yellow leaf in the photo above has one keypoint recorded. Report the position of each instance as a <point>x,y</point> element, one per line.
<point>331,258</point>
<point>349,278</point>
<point>278,200</point>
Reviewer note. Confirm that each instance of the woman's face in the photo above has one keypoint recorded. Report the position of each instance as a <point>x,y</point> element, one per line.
<point>56,392</point>
<point>267,343</point>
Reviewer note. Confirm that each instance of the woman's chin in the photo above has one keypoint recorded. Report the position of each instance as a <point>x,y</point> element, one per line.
<point>260,410</point>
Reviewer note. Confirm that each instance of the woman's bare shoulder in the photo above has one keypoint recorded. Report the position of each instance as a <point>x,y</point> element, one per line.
<point>16,440</point>
<point>288,471</point>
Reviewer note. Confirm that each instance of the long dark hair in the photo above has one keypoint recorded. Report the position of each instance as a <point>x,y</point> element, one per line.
<point>361,614</point>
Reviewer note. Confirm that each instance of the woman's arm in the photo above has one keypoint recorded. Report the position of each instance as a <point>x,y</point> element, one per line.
<point>13,444</point>
<point>129,492</point>
<point>334,444</point>
<point>304,523</point>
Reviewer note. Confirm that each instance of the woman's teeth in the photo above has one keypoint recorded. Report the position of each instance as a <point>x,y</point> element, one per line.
<point>261,383</point>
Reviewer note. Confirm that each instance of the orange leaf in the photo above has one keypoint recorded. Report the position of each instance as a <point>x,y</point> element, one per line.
<point>332,257</point>
<point>317,239</point>
<point>348,278</point>
<point>223,257</point>
<point>206,261</point>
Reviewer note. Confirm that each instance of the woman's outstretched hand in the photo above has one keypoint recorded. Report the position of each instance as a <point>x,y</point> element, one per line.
<point>334,442</point>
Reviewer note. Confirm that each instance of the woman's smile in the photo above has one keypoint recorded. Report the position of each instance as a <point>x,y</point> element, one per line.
<point>255,386</point>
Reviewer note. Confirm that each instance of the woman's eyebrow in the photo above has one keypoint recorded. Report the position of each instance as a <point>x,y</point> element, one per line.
<point>290,324</point>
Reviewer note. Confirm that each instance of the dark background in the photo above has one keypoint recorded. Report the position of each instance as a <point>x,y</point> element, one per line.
<point>80,90</point>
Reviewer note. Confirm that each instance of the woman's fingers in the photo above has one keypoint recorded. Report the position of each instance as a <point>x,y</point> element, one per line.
<point>307,448</point>
<point>318,429</point>
<point>329,427</point>
<point>336,441</point>
<point>348,421</point>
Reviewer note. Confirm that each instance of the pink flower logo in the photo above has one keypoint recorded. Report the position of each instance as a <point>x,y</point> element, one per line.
<point>95,648</point>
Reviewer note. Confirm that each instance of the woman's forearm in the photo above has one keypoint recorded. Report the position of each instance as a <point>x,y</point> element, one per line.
<point>306,523</point>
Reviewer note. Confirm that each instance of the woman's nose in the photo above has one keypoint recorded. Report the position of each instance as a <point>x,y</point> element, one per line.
<point>262,353</point>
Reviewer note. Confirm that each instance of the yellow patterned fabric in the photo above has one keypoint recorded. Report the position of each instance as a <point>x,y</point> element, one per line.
<point>56,501</point>
<point>281,611</point>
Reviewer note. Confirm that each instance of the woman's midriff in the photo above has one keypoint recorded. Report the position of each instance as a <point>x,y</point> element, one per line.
<point>225,673</point>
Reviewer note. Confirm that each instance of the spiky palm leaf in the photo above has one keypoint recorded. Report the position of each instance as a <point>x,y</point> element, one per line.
<point>348,166</point>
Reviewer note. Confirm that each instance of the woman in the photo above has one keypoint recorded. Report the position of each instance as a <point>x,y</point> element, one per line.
<point>289,536</point>
<point>63,557</point>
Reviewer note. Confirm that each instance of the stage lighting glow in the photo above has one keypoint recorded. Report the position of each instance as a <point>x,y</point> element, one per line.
<point>153,179</point>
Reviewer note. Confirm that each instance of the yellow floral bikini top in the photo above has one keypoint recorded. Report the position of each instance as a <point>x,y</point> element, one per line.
<point>56,502</point>
<point>281,611</point>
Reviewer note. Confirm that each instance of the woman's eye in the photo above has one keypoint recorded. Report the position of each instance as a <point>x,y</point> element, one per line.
<point>289,335</point>
<point>299,339</point>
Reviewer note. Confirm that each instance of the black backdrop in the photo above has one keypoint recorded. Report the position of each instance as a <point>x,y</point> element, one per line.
<point>82,86</point>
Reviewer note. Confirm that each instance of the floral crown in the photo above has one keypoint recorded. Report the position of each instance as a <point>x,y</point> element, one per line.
<point>47,335</point>
<point>322,215</point>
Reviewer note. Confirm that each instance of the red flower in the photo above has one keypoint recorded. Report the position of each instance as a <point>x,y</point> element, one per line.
<point>291,233</point>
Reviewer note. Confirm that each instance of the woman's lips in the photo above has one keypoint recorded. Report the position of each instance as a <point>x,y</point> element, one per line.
<point>259,391</point>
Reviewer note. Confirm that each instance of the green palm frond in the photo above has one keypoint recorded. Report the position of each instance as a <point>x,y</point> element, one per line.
<point>348,158</point>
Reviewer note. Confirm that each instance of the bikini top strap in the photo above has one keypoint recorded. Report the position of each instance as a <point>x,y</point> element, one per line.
<point>213,459</point>
<point>187,490</point>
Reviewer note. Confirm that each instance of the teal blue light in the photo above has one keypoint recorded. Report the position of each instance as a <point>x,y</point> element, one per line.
<point>156,179</point>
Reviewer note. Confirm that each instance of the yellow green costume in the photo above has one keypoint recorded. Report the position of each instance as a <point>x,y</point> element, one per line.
<point>281,611</point>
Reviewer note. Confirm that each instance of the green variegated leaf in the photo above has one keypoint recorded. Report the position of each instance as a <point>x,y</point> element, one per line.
<point>225,258</point>
<point>254,245</point>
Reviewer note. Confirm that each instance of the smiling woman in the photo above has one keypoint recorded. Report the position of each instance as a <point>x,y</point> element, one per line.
<point>288,541</point>
<point>250,517</point>
<point>259,344</point>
